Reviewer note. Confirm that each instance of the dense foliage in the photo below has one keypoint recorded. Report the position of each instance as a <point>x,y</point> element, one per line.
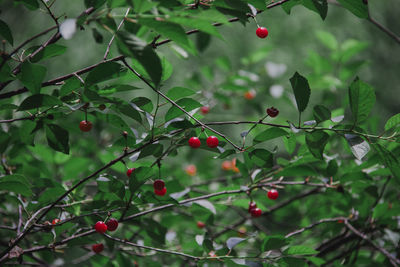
<point>113,165</point>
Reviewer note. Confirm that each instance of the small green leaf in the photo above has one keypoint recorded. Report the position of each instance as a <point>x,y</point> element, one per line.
<point>104,72</point>
<point>16,187</point>
<point>262,158</point>
<point>5,32</point>
<point>129,111</point>
<point>176,93</point>
<point>57,138</point>
<point>392,122</point>
<point>274,242</point>
<point>269,134</point>
<point>357,7</point>
<point>299,170</point>
<point>321,113</point>
<point>49,51</point>
<point>70,85</point>
<point>143,103</point>
<point>39,100</point>
<point>132,46</point>
<point>301,250</point>
<point>362,99</point>
<point>186,103</point>
<point>316,142</point>
<point>388,159</point>
<point>301,91</point>
<point>32,76</point>
<point>318,6</point>
<point>327,39</point>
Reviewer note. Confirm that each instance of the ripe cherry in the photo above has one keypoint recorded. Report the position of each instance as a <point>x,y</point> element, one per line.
<point>85,126</point>
<point>200,224</point>
<point>226,165</point>
<point>256,212</point>
<point>129,171</point>
<point>194,142</point>
<point>161,192</point>
<point>112,224</point>
<point>249,95</point>
<point>212,141</point>
<point>100,227</point>
<point>272,112</point>
<point>273,194</point>
<point>158,185</point>
<point>55,221</point>
<point>204,110</point>
<point>262,32</point>
<point>97,248</point>
<point>252,205</point>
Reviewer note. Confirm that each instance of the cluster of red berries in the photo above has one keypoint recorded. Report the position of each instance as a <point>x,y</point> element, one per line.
<point>101,227</point>
<point>212,142</point>
<point>159,187</point>
<point>256,212</point>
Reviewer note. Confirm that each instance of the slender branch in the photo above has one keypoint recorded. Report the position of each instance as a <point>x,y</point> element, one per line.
<point>393,260</point>
<point>384,29</point>
<point>50,13</point>
<point>113,37</point>
<point>315,224</point>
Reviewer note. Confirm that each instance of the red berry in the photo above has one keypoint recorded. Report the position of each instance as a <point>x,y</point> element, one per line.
<point>273,194</point>
<point>85,126</point>
<point>212,141</point>
<point>249,95</point>
<point>97,248</point>
<point>262,32</point>
<point>194,142</point>
<point>100,227</point>
<point>112,224</point>
<point>160,192</point>
<point>129,171</point>
<point>158,185</point>
<point>55,221</point>
<point>256,212</point>
<point>200,224</point>
<point>272,112</point>
<point>204,110</point>
<point>252,205</point>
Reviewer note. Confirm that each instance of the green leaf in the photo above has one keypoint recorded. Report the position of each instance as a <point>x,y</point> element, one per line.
<point>359,147</point>
<point>172,31</point>
<point>316,142</point>
<point>262,158</point>
<point>16,187</point>
<point>202,25</point>
<point>274,242</point>
<point>5,32</point>
<point>388,159</point>
<point>269,134</point>
<point>30,4</point>
<point>16,178</point>
<point>392,122</point>
<point>57,138</point>
<point>301,91</point>
<point>233,241</point>
<point>104,72</point>
<point>114,120</point>
<point>176,93</point>
<point>32,76</point>
<point>362,99</point>
<point>299,170</point>
<point>143,103</point>
<point>357,7</point>
<point>351,48</point>
<point>139,177</point>
<point>318,6</point>
<point>49,51</point>
<point>321,113</point>
<point>69,86</point>
<point>186,103</point>
<point>132,46</point>
<point>129,111</point>
<point>327,39</point>
<point>39,100</point>
<point>301,250</point>
<point>288,5</point>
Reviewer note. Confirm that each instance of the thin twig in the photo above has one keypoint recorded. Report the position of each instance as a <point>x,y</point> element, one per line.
<point>384,29</point>
<point>50,13</point>
<point>315,224</point>
<point>112,38</point>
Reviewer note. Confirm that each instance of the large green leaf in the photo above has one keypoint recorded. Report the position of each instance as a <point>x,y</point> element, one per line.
<point>269,134</point>
<point>39,100</point>
<point>186,103</point>
<point>104,72</point>
<point>57,138</point>
<point>357,7</point>
<point>392,122</point>
<point>300,250</point>
<point>301,91</point>
<point>32,76</point>
<point>362,99</point>
<point>176,93</point>
<point>389,160</point>
<point>321,113</point>
<point>132,46</point>
<point>274,242</point>
<point>5,32</point>
<point>49,51</point>
<point>316,142</point>
<point>318,6</point>
<point>16,187</point>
